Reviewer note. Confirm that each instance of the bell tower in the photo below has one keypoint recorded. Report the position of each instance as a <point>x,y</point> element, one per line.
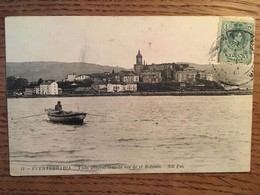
<point>138,67</point>
<point>139,58</point>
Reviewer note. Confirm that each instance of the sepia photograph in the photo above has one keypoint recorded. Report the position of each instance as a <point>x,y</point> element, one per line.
<point>129,94</point>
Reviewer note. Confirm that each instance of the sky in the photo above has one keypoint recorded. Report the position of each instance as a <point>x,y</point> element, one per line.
<point>110,40</point>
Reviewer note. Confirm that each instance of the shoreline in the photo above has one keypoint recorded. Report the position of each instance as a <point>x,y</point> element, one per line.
<point>171,93</point>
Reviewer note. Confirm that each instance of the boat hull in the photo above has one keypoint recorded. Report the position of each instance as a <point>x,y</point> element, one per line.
<point>67,117</point>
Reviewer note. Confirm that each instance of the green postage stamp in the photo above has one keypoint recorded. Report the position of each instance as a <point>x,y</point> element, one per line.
<point>236,40</point>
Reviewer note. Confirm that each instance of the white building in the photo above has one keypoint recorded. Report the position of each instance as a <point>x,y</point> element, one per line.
<point>49,88</point>
<point>82,77</point>
<point>151,76</point>
<point>37,90</point>
<point>187,75</point>
<point>29,91</point>
<point>128,76</point>
<point>70,77</point>
<point>130,87</point>
<point>115,87</point>
<point>122,87</point>
<point>209,77</point>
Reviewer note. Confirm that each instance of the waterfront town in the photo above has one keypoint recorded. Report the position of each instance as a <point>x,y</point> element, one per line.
<point>165,77</point>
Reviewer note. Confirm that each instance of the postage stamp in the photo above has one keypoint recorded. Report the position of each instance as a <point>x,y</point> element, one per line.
<point>237,41</point>
<point>232,54</point>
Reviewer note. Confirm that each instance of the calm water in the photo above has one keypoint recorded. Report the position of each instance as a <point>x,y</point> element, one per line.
<point>199,133</point>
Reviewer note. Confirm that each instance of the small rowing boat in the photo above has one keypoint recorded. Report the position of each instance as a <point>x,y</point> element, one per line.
<point>66,117</point>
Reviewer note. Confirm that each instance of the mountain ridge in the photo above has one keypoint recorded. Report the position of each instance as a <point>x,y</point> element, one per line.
<point>55,70</point>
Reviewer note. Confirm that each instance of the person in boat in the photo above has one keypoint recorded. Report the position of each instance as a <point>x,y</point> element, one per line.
<point>58,106</point>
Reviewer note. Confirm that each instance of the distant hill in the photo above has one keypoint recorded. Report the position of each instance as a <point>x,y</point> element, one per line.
<point>32,71</point>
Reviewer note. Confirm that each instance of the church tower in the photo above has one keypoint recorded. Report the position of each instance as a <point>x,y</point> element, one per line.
<point>139,58</point>
<point>138,67</point>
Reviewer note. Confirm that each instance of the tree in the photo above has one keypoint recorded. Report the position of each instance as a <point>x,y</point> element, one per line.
<point>10,83</point>
<point>85,83</point>
<point>40,81</point>
<point>14,84</point>
<point>21,84</point>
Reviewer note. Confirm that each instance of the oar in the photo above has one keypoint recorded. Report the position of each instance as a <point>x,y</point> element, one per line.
<point>28,116</point>
<point>95,114</point>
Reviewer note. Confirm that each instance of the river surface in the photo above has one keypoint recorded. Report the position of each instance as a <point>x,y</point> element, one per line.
<point>132,134</point>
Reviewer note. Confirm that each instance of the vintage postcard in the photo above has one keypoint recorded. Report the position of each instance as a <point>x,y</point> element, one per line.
<point>129,94</point>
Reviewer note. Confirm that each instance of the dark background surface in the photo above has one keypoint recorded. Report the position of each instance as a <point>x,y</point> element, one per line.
<point>215,183</point>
